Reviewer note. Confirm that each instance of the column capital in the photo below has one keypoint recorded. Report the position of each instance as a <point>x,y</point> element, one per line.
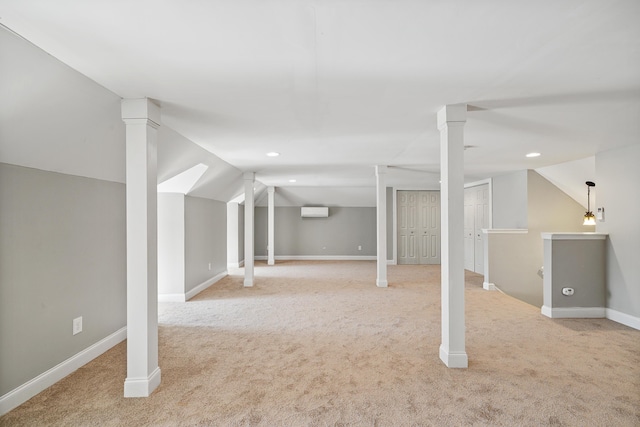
<point>381,169</point>
<point>271,190</point>
<point>137,111</point>
<point>249,176</point>
<point>452,113</point>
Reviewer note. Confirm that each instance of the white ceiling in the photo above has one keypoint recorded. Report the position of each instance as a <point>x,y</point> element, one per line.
<point>337,87</point>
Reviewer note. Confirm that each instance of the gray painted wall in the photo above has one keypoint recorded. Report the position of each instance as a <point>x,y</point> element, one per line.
<point>577,264</point>
<point>509,200</point>
<point>205,240</point>
<point>338,235</point>
<point>617,178</point>
<point>62,255</point>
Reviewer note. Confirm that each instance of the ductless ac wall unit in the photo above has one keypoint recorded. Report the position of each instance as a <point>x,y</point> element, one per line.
<point>314,212</point>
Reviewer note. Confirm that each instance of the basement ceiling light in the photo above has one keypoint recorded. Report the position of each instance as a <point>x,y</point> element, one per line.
<point>273,154</point>
<point>533,155</point>
<point>292,180</point>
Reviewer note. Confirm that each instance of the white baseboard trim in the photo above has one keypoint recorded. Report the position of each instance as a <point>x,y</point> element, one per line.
<point>489,286</point>
<point>573,312</point>
<point>171,298</point>
<point>193,292</point>
<point>26,391</point>
<point>204,285</point>
<point>454,359</point>
<point>391,262</point>
<point>142,387</point>
<point>236,264</point>
<point>319,258</point>
<point>625,319</point>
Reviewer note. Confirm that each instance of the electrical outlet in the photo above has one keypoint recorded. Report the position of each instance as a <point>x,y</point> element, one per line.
<point>359,247</point>
<point>567,291</point>
<point>209,266</point>
<point>77,325</point>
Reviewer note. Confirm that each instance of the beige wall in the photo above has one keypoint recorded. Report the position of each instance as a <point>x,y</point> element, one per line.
<point>515,259</point>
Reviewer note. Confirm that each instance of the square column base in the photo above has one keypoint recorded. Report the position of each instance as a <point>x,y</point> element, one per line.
<point>454,359</point>
<point>142,387</point>
<point>382,283</point>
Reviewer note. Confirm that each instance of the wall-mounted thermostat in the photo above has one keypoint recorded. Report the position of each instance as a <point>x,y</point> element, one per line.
<point>600,214</point>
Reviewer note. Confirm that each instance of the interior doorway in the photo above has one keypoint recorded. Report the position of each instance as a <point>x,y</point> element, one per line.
<point>476,217</point>
<point>418,216</point>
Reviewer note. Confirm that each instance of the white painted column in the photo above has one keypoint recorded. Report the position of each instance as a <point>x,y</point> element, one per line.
<point>381,228</point>
<point>249,179</point>
<point>451,120</point>
<point>142,119</point>
<point>271,245</point>
<point>233,239</point>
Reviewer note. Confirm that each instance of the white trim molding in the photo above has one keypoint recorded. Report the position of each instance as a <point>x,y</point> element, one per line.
<point>320,258</point>
<point>193,292</point>
<point>489,286</point>
<point>623,318</point>
<point>454,359</point>
<point>574,236</point>
<point>26,391</point>
<point>236,264</point>
<point>573,312</point>
<point>142,387</point>
<point>505,230</point>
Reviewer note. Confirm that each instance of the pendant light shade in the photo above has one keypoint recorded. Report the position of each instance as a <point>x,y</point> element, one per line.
<point>589,217</point>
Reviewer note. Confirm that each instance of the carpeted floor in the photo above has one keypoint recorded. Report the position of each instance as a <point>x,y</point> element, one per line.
<point>318,344</point>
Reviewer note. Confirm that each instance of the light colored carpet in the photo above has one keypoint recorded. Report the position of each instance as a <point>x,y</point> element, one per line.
<point>316,343</point>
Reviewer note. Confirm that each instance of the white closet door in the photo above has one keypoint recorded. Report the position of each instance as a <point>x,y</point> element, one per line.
<point>476,217</point>
<point>469,228</point>
<point>429,202</point>
<point>481,221</point>
<point>418,227</point>
<point>407,227</point>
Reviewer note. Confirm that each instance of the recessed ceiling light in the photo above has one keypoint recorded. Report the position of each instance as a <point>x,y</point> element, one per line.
<point>533,154</point>
<point>292,180</point>
<point>273,154</point>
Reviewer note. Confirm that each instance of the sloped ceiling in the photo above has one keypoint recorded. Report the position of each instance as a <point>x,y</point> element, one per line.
<point>338,87</point>
<point>571,177</point>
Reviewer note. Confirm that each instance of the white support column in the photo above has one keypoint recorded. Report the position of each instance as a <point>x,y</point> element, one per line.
<point>451,120</point>
<point>271,191</point>
<point>381,217</point>
<point>142,119</point>
<point>249,179</point>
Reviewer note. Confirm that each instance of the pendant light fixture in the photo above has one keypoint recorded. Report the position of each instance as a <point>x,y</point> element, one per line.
<point>589,217</point>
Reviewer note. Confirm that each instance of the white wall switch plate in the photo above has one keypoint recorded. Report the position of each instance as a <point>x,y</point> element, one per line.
<point>77,325</point>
